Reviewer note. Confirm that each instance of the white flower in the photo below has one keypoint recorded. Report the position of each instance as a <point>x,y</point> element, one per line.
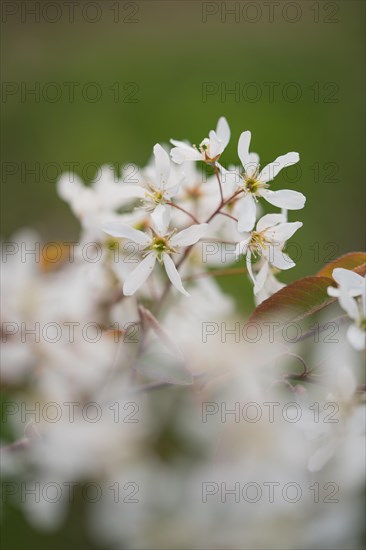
<point>209,149</point>
<point>159,182</point>
<point>348,282</point>
<point>91,204</point>
<point>351,293</point>
<point>270,286</point>
<point>254,183</point>
<point>160,245</point>
<point>267,241</point>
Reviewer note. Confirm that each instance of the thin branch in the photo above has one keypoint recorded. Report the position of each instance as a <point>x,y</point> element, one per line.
<point>19,445</point>
<point>227,215</point>
<point>171,203</point>
<point>31,435</point>
<point>217,241</point>
<point>301,377</point>
<point>224,203</point>
<point>219,181</point>
<point>153,386</point>
<point>113,299</point>
<point>159,330</point>
<point>217,273</point>
<point>341,319</point>
<point>306,371</point>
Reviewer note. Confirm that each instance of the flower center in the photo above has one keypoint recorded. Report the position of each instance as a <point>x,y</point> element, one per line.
<point>161,245</point>
<point>156,196</point>
<point>252,184</point>
<point>112,244</point>
<point>257,243</point>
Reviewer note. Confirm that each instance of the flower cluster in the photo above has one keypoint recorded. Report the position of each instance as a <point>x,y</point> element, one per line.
<point>177,206</point>
<point>113,378</point>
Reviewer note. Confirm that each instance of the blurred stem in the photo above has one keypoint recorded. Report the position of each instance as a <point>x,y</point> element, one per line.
<point>150,320</point>
<point>224,203</point>
<point>219,182</point>
<point>227,215</point>
<point>217,273</point>
<point>320,328</point>
<point>154,386</point>
<point>171,203</point>
<point>306,371</point>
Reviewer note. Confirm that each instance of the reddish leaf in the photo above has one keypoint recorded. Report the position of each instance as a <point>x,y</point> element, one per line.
<point>353,260</point>
<point>294,302</point>
<point>306,296</point>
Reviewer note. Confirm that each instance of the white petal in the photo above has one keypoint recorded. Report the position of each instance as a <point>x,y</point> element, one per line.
<point>139,275</point>
<point>272,285</point>
<point>247,211</point>
<point>249,266</point>
<point>253,159</point>
<point>161,218</point>
<point>332,291</point>
<point>173,274</point>
<point>162,165</point>
<point>216,146</point>
<point>243,147</point>
<point>286,198</point>
<point>181,144</point>
<point>261,277</point>
<point>321,456</point>
<point>357,337</point>
<point>69,187</point>
<point>230,180</point>
<point>349,305</point>
<point>223,131</point>
<point>175,182</point>
<point>345,383</point>
<point>282,232</point>
<point>119,230</point>
<point>271,170</point>
<point>349,281</point>
<point>278,258</point>
<point>241,247</point>
<point>190,235</point>
<point>118,194</point>
<point>269,220</point>
<point>106,174</point>
<point>183,152</point>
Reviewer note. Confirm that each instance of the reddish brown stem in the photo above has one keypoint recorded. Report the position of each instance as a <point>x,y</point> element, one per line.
<point>183,210</point>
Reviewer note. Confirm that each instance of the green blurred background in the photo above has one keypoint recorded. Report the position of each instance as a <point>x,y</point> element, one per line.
<point>161,53</point>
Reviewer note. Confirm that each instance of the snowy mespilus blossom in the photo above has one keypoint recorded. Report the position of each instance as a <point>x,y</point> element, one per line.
<point>351,293</point>
<point>267,240</point>
<point>159,182</point>
<point>91,204</point>
<point>124,392</point>
<point>159,245</point>
<point>254,183</point>
<point>209,150</point>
